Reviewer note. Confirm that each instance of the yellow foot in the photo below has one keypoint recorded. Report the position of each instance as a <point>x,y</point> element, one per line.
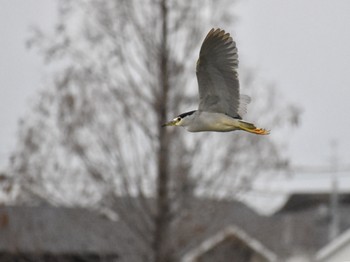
<point>251,128</point>
<point>260,131</point>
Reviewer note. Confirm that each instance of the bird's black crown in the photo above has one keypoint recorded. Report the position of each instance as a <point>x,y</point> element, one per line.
<point>187,114</point>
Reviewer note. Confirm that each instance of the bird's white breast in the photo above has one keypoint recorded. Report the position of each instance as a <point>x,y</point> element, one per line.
<point>208,121</point>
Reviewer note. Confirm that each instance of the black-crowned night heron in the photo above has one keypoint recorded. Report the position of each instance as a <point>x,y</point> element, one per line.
<point>221,106</point>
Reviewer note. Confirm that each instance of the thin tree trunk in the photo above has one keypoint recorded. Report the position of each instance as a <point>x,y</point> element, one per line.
<point>163,205</point>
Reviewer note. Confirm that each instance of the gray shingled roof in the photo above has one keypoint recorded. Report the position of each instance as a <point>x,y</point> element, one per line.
<point>56,230</point>
<point>64,230</point>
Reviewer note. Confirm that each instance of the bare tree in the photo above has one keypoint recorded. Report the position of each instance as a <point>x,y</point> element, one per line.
<point>120,70</point>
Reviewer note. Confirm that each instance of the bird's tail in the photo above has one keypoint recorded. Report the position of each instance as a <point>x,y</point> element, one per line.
<point>251,128</point>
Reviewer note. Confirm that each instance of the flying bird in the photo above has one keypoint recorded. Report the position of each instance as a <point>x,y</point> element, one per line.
<point>221,106</point>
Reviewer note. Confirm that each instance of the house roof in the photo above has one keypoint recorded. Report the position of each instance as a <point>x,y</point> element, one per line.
<point>57,230</point>
<point>333,246</point>
<point>299,201</point>
<point>68,230</point>
<point>219,237</point>
<point>284,234</point>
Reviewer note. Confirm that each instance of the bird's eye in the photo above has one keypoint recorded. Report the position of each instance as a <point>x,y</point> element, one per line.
<point>177,119</point>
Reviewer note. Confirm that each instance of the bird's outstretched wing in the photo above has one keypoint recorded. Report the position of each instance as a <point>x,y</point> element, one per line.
<point>216,74</point>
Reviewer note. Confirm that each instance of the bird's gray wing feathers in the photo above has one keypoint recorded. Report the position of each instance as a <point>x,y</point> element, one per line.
<point>217,76</point>
<point>244,100</point>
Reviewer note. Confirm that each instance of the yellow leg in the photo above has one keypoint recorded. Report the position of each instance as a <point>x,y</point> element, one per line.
<point>251,128</point>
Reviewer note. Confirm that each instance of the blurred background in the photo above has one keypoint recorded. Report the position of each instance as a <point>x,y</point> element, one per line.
<point>87,172</point>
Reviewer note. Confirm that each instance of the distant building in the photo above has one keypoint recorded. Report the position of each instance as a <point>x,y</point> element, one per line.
<point>337,250</point>
<point>215,230</point>
<point>46,233</point>
<point>304,200</point>
<point>310,217</point>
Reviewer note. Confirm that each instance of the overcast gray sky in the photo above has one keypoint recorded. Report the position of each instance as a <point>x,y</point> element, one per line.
<point>301,46</point>
<point>21,70</point>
